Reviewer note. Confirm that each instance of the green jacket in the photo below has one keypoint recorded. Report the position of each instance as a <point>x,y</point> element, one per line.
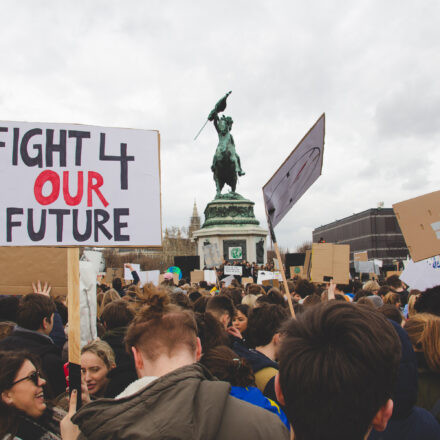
<point>188,403</point>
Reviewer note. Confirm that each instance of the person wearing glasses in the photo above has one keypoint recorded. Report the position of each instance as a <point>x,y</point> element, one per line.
<point>24,414</point>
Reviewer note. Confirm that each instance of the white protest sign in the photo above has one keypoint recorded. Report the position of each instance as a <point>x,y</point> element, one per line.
<point>421,275</point>
<point>212,255</point>
<point>78,185</point>
<point>297,173</point>
<point>233,270</point>
<point>153,276</point>
<point>264,275</point>
<point>127,272</point>
<point>228,280</point>
<point>209,276</point>
<point>378,263</point>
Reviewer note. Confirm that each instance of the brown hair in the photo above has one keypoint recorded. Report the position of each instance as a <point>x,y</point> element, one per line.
<point>117,314</point>
<point>424,332</point>
<point>392,298</point>
<point>32,310</point>
<point>224,364</point>
<point>106,298</point>
<point>160,327</point>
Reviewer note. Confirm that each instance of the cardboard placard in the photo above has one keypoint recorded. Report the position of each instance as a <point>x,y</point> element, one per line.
<point>360,256</point>
<point>233,270</point>
<point>307,264</point>
<point>419,220</point>
<point>273,283</point>
<point>113,272</point>
<point>20,266</point>
<point>394,272</point>
<point>330,262</point>
<point>197,276</point>
<point>78,185</point>
<point>296,271</point>
<point>248,280</point>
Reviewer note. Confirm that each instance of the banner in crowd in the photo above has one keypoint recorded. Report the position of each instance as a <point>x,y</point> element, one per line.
<point>212,255</point>
<point>421,275</point>
<point>233,270</point>
<point>330,262</point>
<point>78,185</point>
<point>419,220</point>
<point>298,172</point>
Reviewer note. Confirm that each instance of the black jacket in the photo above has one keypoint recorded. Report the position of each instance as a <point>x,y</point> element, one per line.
<point>48,353</point>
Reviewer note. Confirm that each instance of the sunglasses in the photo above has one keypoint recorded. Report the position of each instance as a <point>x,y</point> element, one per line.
<point>34,377</point>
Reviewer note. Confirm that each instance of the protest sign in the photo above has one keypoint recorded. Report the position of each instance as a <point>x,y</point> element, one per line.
<point>378,263</point>
<point>20,266</point>
<point>298,172</point>
<point>212,255</point>
<point>360,256</point>
<point>113,272</point>
<point>330,262</point>
<point>296,271</point>
<point>235,253</point>
<point>248,280</point>
<point>152,276</point>
<point>196,276</point>
<point>421,275</point>
<point>210,276</point>
<point>228,280</point>
<point>78,185</point>
<point>127,272</point>
<point>366,267</point>
<point>272,283</point>
<point>233,270</point>
<point>394,272</point>
<point>419,220</point>
<point>264,275</point>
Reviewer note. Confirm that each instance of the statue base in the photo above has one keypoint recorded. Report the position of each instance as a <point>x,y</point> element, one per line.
<point>230,223</point>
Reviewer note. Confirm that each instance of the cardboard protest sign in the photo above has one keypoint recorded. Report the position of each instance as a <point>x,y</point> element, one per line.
<point>296,271</point>
<point>113,272</point>
<point>273,283</point>
<point>308,264</point>
<point>360,256</point>
<point>298,172</point>
<point>330,262</point>
<point>233,270</point>
<point>196,276</point>
<point>212,255</point>
<point>394,272</point>
<point>20,266</point>
<point>419,220</point>
<point>248,280</point>
<point>78,185</point>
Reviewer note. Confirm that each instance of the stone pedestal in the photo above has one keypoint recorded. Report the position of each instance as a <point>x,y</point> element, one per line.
<point>230,223</point>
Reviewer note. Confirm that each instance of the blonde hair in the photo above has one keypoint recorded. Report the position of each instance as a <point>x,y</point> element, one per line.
<point>424,332</point>
<point>411,303</point>
<point>106,298</point>
<point>392,298</point>
<point>249,300</point>
<point>371,286</point>
<point>102,350</point>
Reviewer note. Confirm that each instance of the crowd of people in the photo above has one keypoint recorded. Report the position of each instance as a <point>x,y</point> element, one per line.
<point>201,361</point>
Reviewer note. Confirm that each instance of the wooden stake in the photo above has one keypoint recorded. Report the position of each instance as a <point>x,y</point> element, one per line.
<point>74,343</point>
<point>286,287</point>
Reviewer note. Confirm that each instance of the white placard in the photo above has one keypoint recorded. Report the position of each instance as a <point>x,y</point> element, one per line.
<point>209,276</point>
<point>78,185</point>
<point>228,280</point>
<point>149,276</point>
<point>127,272</point>
<point>233,270</point>
<point>421,275</point>
<point>264,275</point>
<point>378,263</point>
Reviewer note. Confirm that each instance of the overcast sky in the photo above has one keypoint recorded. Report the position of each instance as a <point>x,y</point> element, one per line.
<point>372,66</point>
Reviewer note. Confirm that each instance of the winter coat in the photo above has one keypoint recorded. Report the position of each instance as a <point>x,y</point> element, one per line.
<point>48,353</point>
<point>408,421</point>
<point>429,386</point>
<point>187,403</point>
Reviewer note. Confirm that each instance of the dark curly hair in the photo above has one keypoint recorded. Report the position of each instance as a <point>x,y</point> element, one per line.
<point>429,301</point>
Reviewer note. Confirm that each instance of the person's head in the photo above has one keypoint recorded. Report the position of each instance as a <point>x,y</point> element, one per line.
<point>311,300</point>
<point>210,332</point>
<point>225,365</point>
<point>194,296</point>
<point>9,307</point>
<point>181,300</point>
<point>6,328</point>
<point>264,324</point>
<point>360,294</point>
<point>117,284</point>
<point>235,294</point>
<point>21,389</point>
<point>35,312</point>
<point>97,359</point>
<point>391,312</point>
<point>429,301</point>
<point>392,298</point>
<point>254,289</point>
<point>394,282</point>
<point>222,308</point>
<point>106,298</point>
<point>337,359</point>
<point>200,304</point>
<point>412,298</point>
<point>424,332</point>
<point>117,314</point>
<point>304,288</point>
<point>372,286</point>
<point>249,300</point>
<point>383,290</point>
<point>162,337</point>
<point>241,317</point>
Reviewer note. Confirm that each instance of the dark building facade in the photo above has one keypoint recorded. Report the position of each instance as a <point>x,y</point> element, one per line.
<point>374,230</point>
